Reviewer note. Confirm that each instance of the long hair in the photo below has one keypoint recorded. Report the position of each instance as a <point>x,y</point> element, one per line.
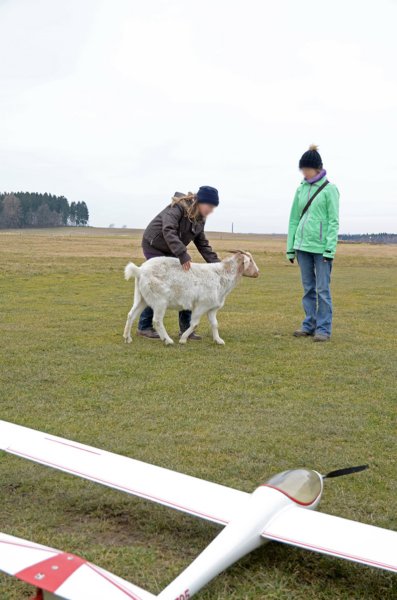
<point>190,205</point>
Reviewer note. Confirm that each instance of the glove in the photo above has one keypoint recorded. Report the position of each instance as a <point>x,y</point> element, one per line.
<point>291,260</point>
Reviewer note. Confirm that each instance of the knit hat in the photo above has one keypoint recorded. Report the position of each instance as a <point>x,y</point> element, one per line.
<point>311,159</point>
<point>208,195</point>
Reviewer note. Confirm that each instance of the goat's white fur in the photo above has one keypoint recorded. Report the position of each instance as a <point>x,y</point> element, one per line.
<point>162,283</point>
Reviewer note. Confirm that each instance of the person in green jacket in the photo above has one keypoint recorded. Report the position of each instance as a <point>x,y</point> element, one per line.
<point>312,239</point>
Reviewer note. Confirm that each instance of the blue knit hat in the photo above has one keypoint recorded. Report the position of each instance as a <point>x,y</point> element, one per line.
<point>208,195</point>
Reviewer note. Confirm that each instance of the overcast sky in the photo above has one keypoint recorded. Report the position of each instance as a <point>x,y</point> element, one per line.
<point>122,102</point>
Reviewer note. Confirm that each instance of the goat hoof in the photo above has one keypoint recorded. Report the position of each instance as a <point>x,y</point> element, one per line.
<point>183,340</point>
<point>220,342</point>
<point>168,342</point>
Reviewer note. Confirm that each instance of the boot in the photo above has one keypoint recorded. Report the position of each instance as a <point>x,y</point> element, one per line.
<point>319,337</point>
<point>302,333</point>
<point>148,333</point>
<point>193,336</point>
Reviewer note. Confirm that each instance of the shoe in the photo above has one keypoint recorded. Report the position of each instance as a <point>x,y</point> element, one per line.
<point>148,333</point>
<point>195,337</point>
<point>302,333</point>
<point>319,337</point>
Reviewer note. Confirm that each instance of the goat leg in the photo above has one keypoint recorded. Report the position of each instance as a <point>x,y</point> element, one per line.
<point>195,320</point>
<point>211,314</point>
<point>132,315</point>
<point>158,322</point>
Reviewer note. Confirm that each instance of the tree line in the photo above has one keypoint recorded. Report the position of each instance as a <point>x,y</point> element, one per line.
<point>31,209</point>
<point>370,238</point>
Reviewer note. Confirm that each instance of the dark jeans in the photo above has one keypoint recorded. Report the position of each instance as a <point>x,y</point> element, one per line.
<point>317,302</point>
<point>146,318</point>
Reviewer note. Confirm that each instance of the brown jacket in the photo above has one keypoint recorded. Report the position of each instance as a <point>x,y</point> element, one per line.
<point>171,231</point>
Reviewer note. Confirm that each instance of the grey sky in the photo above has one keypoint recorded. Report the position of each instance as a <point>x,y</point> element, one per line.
<point>122,102</point>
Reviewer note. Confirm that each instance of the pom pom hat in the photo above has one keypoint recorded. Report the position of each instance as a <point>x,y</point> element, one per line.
<point>311,159</point>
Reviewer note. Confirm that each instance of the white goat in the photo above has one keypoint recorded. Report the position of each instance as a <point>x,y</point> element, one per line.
<point>162,283</point>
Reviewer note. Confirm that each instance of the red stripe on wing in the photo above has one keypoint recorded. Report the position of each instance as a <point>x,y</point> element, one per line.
<point>51,573</point>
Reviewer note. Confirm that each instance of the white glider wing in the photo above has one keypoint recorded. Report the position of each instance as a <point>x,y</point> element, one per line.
<point>335,536</point>
<point>62,574</point>
<point>197,497</point>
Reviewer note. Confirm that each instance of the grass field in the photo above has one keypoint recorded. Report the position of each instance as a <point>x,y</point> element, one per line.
<point>236,414</point>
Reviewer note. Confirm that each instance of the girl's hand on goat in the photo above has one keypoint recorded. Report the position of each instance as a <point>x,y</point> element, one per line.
<point>186,266</point>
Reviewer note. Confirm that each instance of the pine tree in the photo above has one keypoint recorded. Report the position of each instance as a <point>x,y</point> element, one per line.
<point>78,213</point>
<point>84,214</point>
<point>72,213</point>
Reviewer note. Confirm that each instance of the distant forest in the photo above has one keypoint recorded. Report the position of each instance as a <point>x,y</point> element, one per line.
<point>26,209</point>
<point>370,238</point>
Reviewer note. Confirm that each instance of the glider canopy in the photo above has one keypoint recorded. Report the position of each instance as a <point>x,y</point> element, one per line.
<point>300,485</point>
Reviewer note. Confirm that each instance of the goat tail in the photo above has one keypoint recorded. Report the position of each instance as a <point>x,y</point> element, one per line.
<point>131,271</point>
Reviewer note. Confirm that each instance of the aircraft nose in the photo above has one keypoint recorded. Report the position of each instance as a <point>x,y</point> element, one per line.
<point>303,486</point>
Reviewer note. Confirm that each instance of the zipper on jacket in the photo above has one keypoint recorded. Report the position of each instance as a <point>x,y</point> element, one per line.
<point>321,231</point>
<point>153,239</point>
<point>307,215</point>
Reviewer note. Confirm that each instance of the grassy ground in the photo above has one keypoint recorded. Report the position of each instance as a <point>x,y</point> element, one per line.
<point>236,414</point>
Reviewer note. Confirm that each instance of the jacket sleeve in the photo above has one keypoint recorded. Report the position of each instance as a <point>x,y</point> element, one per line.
<point>333,221</point>
<point>171,220</point>
<point>203,246</point>
<point>293,225</point>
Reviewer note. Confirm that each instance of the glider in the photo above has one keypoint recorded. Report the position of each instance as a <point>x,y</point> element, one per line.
<point>281,509</point>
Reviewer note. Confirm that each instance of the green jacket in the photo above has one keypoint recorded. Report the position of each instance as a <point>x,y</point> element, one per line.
<point>317,231</point>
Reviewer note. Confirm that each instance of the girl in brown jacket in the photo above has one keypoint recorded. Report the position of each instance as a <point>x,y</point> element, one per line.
<point>169,234</point>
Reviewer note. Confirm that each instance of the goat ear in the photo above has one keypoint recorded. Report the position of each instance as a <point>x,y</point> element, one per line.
<point>239,252</point>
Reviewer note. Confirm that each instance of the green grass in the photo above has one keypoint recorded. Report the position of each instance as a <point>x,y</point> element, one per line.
<point>235,415</point>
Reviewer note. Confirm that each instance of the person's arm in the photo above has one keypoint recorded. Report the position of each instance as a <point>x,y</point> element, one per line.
<point>333,222</point>
<point>294,219</point>
<point>203,246</point>
<point>171,221</point>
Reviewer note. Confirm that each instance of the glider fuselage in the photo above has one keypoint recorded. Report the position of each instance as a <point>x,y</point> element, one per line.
<point>242,534</point>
